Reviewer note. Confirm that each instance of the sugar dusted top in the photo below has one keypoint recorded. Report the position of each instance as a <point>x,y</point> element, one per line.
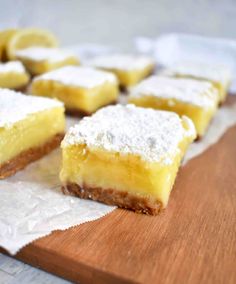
<point>121,62</point>
<point>189,91</point>
<point>44,54</point>
<point>15,106</point>
<point>152,135</point>
<point>216,73</point>
<point>84,77</point>
<point>12,66</point>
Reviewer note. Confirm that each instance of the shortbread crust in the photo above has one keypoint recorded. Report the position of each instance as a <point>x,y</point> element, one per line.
<point>22,160</point>
<point>123,199</point>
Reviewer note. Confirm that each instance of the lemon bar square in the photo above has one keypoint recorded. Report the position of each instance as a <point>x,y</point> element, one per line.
<point>39,60</point>
<point>196,99</point>
<point>129,69</point>
<point>30,127</point>
<point>126,156</point>
<point>13,75</point>
<point>220,76</point>
<point>81,89</point>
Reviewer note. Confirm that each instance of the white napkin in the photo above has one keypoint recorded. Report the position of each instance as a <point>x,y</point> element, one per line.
<point>171,48</point>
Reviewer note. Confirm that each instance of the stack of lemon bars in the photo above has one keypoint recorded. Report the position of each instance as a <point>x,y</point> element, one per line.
<point>124,155</point>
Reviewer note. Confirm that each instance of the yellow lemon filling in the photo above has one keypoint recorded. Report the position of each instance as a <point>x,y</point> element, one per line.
<point>129,78</point>
<point>33,131</point>
<point>13,80</point>
<point>126,173</point>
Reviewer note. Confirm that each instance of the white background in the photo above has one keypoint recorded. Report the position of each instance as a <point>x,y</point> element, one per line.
<point>118,21</point>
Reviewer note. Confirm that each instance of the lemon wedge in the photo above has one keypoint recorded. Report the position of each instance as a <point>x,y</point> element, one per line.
<point>29,37</point>
<point>5,36</point>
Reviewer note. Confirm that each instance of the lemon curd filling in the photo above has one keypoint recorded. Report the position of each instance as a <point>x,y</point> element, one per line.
<point>13,75</point>
<point>39,60</point>
<point>129,69</point>
<point>135,150</point>
<point>27,122</point>
<point>80,88</point>
<point>220,76</point>
<point>196,99</point>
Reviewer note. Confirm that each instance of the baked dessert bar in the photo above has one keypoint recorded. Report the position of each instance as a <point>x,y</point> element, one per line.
<point>196,99</point>
<point>82,89</point>
<point>30,127</point>
<point>13,75</point>
<point>39,60</point>
<point>220,76</point>
<point>126,156</point>
<point>129,69</point>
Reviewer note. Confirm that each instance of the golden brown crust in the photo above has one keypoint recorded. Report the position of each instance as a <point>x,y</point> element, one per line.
<point>137,203</point>
<point>23,159</point>
<point>77,113</point>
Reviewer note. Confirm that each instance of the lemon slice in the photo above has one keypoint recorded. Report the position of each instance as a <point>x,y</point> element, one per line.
<point>5,36</point>
<point>29,37</point>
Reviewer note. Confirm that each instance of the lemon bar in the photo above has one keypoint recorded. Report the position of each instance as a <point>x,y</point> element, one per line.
<point>126,156</point>
<point>220,76</point>
<point>82,89</point>
<point>13,75</point>
<point>129,69</point>
<point>30,127</point>
<point>196,99</point>
<point>39,60</point>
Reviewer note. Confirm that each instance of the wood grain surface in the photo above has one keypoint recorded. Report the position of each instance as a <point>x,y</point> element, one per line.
<point>193,241</point>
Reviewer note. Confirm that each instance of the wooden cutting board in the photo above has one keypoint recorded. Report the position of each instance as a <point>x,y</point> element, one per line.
<point>193,241</point>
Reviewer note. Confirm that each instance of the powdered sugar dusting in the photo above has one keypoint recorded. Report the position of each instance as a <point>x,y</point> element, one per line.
<point>215,73</point>
<point>15,106</point>
<point>152,135</point>
<point>121,62</point>
<point>84,77</point>
<point>189,91</point>
<point>12,66</point>
<point>44,54</point>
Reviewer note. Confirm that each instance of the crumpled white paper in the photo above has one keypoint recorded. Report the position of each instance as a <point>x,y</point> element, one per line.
<point>170,48</point>
<point>32,205</point>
